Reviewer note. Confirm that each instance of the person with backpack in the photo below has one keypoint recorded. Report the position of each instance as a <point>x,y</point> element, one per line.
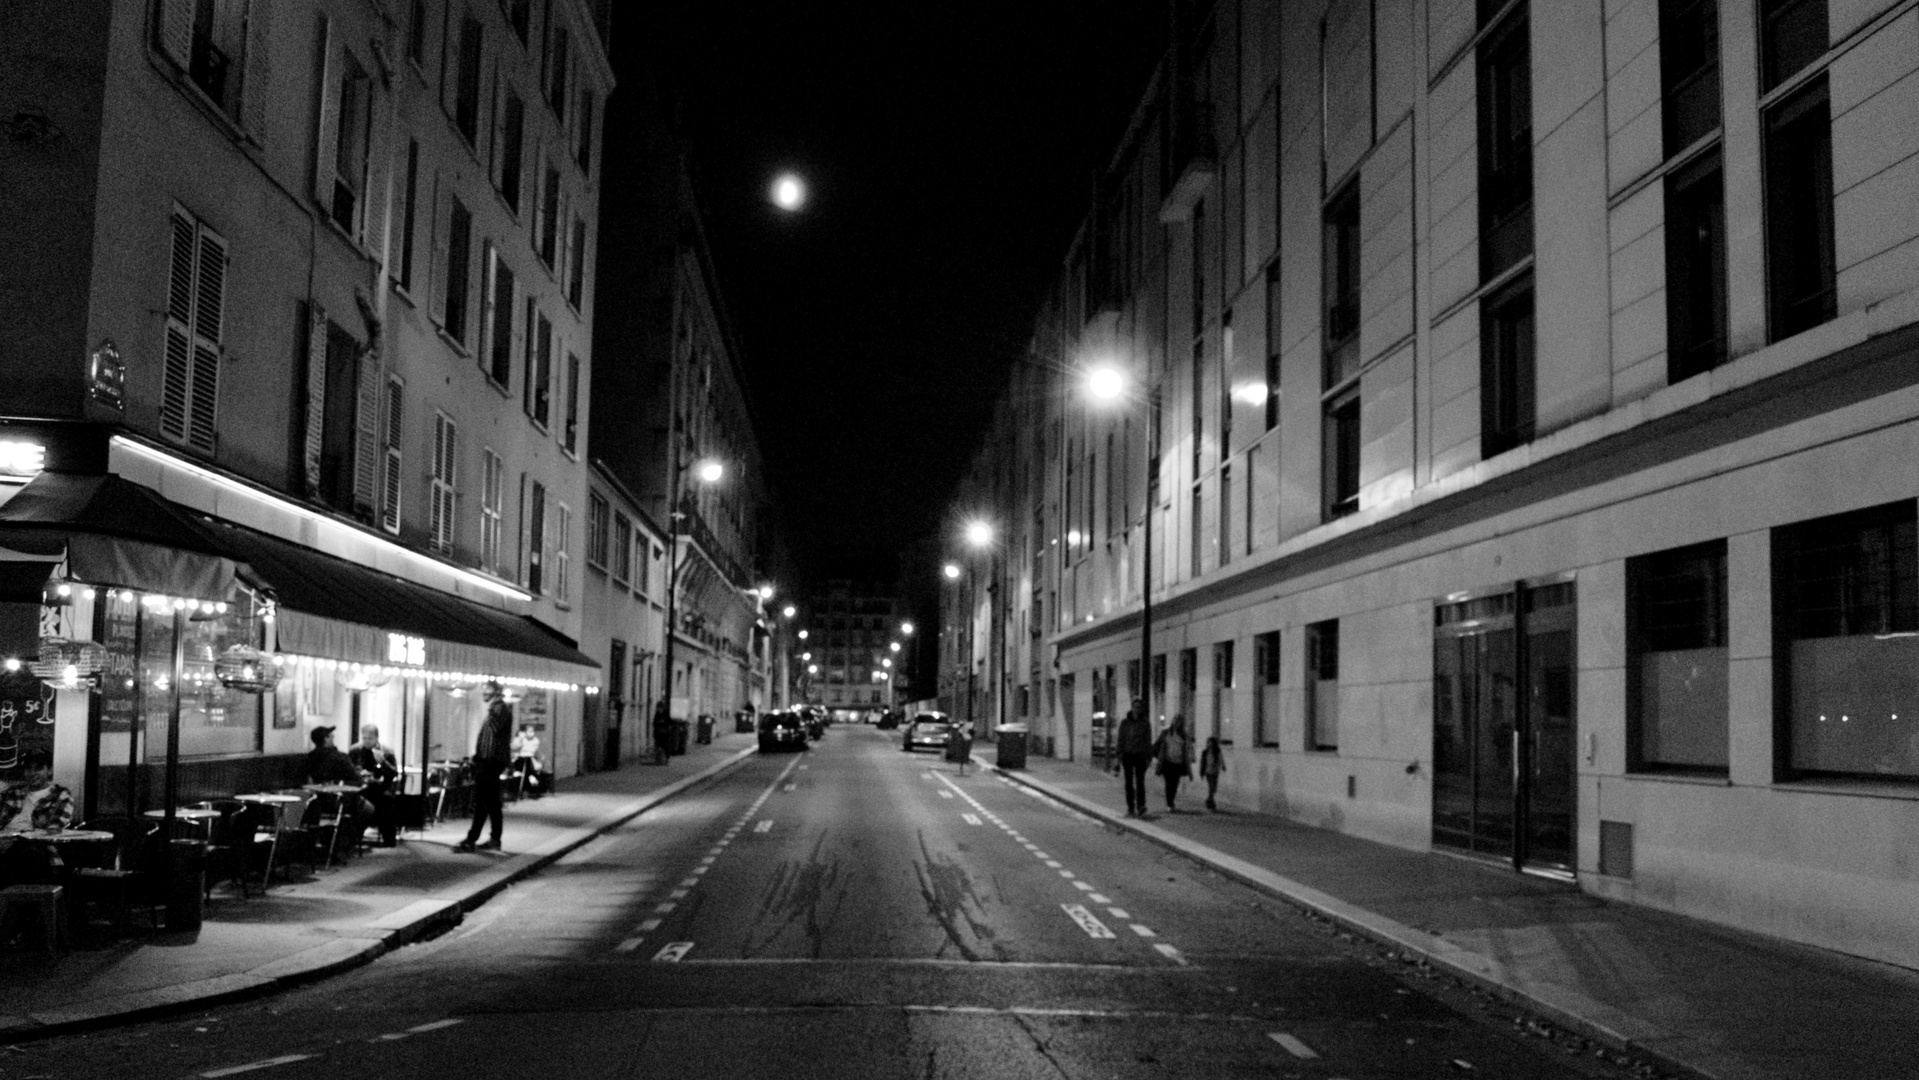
<point>1174,750</point>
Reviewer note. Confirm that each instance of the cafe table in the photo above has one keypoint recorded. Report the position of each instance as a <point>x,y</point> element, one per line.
<point>65,836</point>
<point>198,817</point>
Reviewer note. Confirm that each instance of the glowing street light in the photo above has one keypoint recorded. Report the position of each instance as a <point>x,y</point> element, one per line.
<point>887,663</point>
<point>812,669</point>
<point>709,471</point>
<point>906,628</point>
<point>766,592</point>
<point>802,635</point>
<point>1106,382</point>
<point>893,646</point>
<point>789,611</point>
<point>789,192</point>
<point>806,656</point>
<point>979,534</point>
<point>952,572</point>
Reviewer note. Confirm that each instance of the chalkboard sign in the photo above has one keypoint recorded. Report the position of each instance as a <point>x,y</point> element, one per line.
<point>26,724</point>
<point>119,683</point>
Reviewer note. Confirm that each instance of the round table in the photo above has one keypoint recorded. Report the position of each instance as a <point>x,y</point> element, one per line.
<point>184,813</point>
<point>65,836</point>
<point>335,789</point>
<point>268,797</point>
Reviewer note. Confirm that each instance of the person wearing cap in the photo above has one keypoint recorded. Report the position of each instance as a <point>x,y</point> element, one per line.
<point>490,754</point>
<point>326,764</point>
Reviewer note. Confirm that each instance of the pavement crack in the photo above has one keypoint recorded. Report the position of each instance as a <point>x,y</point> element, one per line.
<point>1039,1044</point>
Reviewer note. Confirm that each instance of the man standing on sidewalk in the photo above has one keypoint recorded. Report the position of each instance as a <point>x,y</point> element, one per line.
<point>1135,747</point>
<point>490,754</point>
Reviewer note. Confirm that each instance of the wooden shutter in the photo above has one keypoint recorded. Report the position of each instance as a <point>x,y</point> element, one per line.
<point>366,422</point>
<point>316,395</point>
<point>175,31</point>
<point>326,136</point>
<point>257,75</point>
<point>177,375</point>
<point>390,479</point>
<point>209,310</point>
<point>442,226</point>
<point>489,275</point>
<point>196,302</point>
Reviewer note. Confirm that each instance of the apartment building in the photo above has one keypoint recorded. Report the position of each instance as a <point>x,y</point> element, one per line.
<point>856,641</point>
<point>1526,396</point>
<point>309,280</point>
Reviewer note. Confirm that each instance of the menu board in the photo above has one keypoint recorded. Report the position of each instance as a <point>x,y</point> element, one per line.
<point>25,724</point>
<point>119,683</point>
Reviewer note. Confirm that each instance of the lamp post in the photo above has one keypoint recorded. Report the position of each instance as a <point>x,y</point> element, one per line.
<point>708,472</point>
<point>979,534</point>
<point>1108,383</point>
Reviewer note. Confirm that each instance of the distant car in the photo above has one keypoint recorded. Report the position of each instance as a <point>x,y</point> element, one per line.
<point>782,730</point>
<point>928,731</point>
<point>890,719</point>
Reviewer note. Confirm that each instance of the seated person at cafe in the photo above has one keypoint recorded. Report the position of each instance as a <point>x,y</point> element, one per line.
<point>32,802</point>
<point>325,764</point>
<point>376,762</point>
<point>526,760</point>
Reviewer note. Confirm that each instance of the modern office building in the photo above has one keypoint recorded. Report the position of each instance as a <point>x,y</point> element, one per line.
<point>1528,400</point>
<point>300,337</point>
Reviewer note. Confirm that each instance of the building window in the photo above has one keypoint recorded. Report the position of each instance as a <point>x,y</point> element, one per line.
<point>410,214</point>
<point>512,149</point>
<point>1695,269</point>
<point>1793,34</point>
<point>1339,254</point>
<point>586,121</point>
<point>1800,261</point>
<point>416,31</point>
<point>1188,688</point>
<point>1199,530</point>
<point>1223,692</point>
<point>1506,372</point>
<point>539,375</point>
<point>576,270</point>
<point>1266,689</point>
<point>596,528</point>
<point>549,231</point>
<point>441,511</point>
<point>499,318</point>
<point>391,470</point>
<point>519,16</point>
<point>492,503</point>
<point>459,258</point>
<point>1689,70</point>
<point>1505,146</point>
<point>196,310</point>
<point>1846,650</point>
<point>535,509</point>
<point>1199,267</point>
<point>556,70</point>
<point>1322,685</point>
<point>353,104</point>
<point>622,548</point>
<point>466,85</point>
<point>570,424</point>
<point>562,553</point>
<point>1225,514</point>
<point>1272,346</point>
<point>1339,455</point>
<point>1676,665</point>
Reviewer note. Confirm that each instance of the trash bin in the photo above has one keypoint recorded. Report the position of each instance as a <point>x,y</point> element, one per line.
<point>1012,745</point>
<point>187,885</point>
<point>676,735</point>
<point>706,729</point>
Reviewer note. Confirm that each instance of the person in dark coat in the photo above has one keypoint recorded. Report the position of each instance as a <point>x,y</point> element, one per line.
<point>1135,749</point>
<point>375,760</point>
<point>490,753</point>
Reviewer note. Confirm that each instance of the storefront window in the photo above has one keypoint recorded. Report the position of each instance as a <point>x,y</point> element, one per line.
<point>213,719</point>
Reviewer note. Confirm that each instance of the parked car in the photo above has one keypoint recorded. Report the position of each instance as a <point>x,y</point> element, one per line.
<point>782,730</point>
<point>928,731</point>
<point>890,719</point>
<point>815,720</point>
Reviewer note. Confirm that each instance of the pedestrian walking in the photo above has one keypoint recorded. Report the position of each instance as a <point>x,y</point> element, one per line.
<point>1174,749</point>
<point>1135,749</point>
<point>1211,764</point>
<point>490,753</point>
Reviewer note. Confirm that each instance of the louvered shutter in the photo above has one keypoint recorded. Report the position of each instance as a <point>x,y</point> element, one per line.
<point>366,420</point>
<point>442,226</point>
<point>209,309</point>
<point>449,477</point>
<point>258,73</point>
<point>316,395</point>
<point>326,137</point>
<point>175,31</point>
<point>177,374</point>
<point>390,478</point>
<point>489,281</point>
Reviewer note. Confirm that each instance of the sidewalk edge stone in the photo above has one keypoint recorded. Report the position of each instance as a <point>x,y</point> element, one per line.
<point>1570,1009</point>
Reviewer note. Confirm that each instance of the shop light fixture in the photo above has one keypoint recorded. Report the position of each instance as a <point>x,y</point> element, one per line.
<point>227,483</point>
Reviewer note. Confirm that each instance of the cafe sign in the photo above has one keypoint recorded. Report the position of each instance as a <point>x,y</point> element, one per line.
<point>405,649</point>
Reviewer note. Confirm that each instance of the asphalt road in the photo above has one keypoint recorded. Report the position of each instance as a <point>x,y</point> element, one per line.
<point>853,911</point>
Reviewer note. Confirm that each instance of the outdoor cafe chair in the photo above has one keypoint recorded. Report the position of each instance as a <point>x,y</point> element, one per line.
<point>121,874</point>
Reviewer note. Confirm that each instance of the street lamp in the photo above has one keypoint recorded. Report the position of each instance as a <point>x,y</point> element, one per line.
<point>979,534</point>
<point>952,572</point>
<point>1105,383</point>
<point>789,192</point>
<point>707,471</point>
<point>893,646</point>
<point>906,628</point>
<point>789,611</point>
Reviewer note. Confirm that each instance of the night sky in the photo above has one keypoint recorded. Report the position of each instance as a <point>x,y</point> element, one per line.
<point>950,148</point>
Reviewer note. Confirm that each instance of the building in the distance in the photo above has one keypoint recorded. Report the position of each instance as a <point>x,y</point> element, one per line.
<point>856,639</point>
<point>300,326</point>
<point>1522,401</point>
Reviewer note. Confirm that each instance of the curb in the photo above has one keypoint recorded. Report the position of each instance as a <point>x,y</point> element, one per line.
<point>1570,1009</point>
<point>405,926</point>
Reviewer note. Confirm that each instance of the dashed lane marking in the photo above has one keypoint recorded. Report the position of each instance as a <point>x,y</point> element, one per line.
<point>1118,913</point>
<point>1170,953</point>
<point>678,894</point>
<point>1099,899</point>
<point>1085,888</point>
<point>629,944</point>
<point>764,825</point>
<point>649,926</point>
<point>1143,931</point>
<point>435,1025</point>
<point>673,953</point>
<point>235,1070</point>
<point>664,909</point>
<point>708,861</point>
<point>945,794</point>
<point>1087,921</point>
<point>789,787</point>
<point>1051,864</point>
<point>689,883</point>
<point>970,819</point>
<point>1067,874</point>
<point>1293,1045</point>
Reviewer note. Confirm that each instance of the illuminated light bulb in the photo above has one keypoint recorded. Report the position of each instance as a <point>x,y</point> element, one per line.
<point>220,608</point>
<point>64,590</point>
<point>87,593</point>
<point>13,663</point>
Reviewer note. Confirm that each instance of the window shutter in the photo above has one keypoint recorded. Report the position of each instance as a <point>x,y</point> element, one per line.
<point>316,395</point>
<point>442,226</point>
<point>521,568</point>
<point>326,137</point>
<point>177,374</point>
<point>366,450</point>
<point>258,73</point>
<point>175,31</point>
<point>196,298</point>
<point>489,274</point>
<point>390,480</point>
<point>209,310</point>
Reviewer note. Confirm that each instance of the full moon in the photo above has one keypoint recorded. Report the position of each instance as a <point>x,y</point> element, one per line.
<point>789,193</point>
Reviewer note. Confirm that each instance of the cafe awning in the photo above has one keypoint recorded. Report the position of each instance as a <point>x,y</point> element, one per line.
<point>337,609</point>
<point>113,531</point>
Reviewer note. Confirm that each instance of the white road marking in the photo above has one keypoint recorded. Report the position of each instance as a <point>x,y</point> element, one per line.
<point>1087,921</point>
<point>1067,874</point>
<point>1143,931</point>
<point>1293,1046</point>
<point>678,894</point>
<point>673,953</point>
<point>1170,953</point>
<point>1098,899</point>
<point>696,872</point>
<point>803,768</point>
<point>945,794</point>
<point>715,851</point>
<point>1118,913</point>
<point>1084,887</point>
<point>629,944</point>
<point>649,926</point>
<point>765,825</point>
<point>708,861</point>
<point>665,909</point>
<point>235,1070</point>
<point>790,787</point>
<point>1042,855</point>
<point>1051,864</point>
<point>970,819</point>
<point>421,1029</point>
<point>689,883</point>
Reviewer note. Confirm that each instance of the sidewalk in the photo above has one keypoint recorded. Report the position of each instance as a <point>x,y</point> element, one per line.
<point>341,917</point>
<point>1694,996</point>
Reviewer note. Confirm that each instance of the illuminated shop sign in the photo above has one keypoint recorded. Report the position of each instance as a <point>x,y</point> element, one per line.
<point>401,649</point>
